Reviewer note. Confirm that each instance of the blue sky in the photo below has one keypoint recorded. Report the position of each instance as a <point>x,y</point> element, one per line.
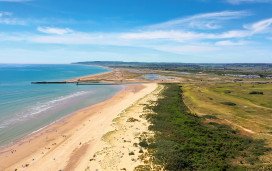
<point>194,31</point>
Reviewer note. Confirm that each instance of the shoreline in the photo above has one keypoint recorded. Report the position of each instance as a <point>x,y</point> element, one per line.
<point>43,142</point>
<point>90,76</point>
<point>4,146</point>
<point>9,146</point>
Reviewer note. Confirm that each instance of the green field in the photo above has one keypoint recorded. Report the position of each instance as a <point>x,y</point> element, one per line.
<point>251,111</point>
<point>184,141</point>
<point>251,114</point>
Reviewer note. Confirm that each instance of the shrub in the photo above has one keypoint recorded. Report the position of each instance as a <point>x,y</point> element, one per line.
<point>209,117</point>
<point>132,120</point>
<point>143,168</point>
<point>227,91</point>
<point>131,153</point>
<point>228,103</point>
<point>256,92</point>
<point>143,143</point>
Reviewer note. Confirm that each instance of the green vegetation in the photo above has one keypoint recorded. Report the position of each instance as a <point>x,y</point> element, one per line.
<point>209,117</point>
<point>252,111</point>
<point>142,168</point>
<point>183,142</point>
<point>256,92</point>
<point>227,91</point>
<point>143,143</point>
<point>132,120</point>
<point>228,103</point>
<point>131,153</point>
<point>262,70</point>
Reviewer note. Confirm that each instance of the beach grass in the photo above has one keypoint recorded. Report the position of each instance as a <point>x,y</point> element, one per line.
<point>186,141</point>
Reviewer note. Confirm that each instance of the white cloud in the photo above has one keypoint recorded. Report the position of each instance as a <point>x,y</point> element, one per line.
<point>180,36</point>
<point>201,21</point>
<point>236,2</point>
<point>260,26</point>
<point>187,48</point>
<point>6,18</point>
<point>3,13</point>
<point>167,40</point>
<point>251,29</point>
<point>230,43</point>
<point>12,21</point>
<point>60,36</point>
<point>52,30</point>
<point>79,38</point>
<point>167,34</point>
<point>235,34</point>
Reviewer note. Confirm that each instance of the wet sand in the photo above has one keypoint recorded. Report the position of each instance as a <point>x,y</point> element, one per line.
<point>70,143</point>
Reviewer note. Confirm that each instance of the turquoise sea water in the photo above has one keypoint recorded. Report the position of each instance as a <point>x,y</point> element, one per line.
<point>25,107</point>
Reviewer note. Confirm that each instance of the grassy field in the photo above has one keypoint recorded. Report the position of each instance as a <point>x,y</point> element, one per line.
<point>243,106</point>
<point>252,111</point>
<point>184,141</point>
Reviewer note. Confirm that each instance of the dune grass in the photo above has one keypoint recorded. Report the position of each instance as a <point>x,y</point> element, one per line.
<point>183,141</point>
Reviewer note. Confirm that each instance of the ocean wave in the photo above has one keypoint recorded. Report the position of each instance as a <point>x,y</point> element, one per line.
<point>38,108</point>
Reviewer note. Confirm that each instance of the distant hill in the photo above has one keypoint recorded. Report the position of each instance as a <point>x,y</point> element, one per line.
<point>260,69</point>
<point>121,63</point>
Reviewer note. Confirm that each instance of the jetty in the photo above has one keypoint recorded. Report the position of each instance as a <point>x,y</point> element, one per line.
<point>103,83</point>
<point>80,83</point>
<point>54,82</point>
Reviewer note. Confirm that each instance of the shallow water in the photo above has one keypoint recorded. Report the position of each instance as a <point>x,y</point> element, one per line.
<point>156,77</point>
<point>25,107</point>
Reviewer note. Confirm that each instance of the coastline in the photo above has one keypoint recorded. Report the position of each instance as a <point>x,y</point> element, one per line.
<point>25,108</point>
<point>51,107</point>
<point>91,76</point>
<point>54,146</point>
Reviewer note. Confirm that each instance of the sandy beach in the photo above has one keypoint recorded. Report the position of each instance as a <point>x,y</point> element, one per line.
<point>69,144</point>
<point>119,148</point>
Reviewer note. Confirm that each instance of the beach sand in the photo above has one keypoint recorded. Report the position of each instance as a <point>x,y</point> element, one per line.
<point>70,143</point>
<point>119,148</point>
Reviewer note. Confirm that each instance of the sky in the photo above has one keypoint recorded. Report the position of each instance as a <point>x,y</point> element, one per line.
<point>189,31</point>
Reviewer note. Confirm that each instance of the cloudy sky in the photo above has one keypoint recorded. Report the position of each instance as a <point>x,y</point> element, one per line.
<point>204,31</point>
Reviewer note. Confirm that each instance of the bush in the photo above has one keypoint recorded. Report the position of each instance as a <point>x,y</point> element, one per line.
<point>228,103</point>
<point>143,168</point>
<point>227,91</point>
<point>256,92</point>
<point>131,153</point>
<point>143,143</point>
<point>209,117</point>
<point>132,120</point>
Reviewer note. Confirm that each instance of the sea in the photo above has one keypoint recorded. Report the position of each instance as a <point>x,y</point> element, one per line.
<point>26,108</point>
